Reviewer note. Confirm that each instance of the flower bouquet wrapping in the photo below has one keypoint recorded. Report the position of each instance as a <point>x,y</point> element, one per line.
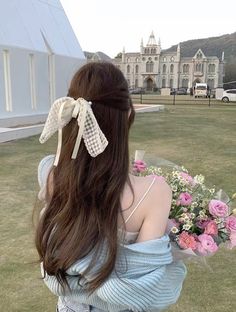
<point>201,218</point>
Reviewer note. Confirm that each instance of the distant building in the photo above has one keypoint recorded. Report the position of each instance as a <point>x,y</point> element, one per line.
<point>153,68</point>
<point>39,54</point>
<point>97,56</point>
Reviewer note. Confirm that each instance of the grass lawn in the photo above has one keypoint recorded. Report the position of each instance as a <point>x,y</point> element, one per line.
<point>201,138</point>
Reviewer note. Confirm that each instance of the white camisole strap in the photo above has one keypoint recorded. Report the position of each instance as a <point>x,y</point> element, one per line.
<point>144,195</point>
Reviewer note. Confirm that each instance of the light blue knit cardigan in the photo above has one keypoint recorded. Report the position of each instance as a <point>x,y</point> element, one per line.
<point>146,278</point>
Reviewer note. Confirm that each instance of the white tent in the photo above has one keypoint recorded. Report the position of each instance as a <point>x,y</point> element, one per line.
<point>39,53</point>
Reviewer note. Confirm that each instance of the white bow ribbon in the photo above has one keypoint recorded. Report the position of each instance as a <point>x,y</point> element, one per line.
<point>61,113</point>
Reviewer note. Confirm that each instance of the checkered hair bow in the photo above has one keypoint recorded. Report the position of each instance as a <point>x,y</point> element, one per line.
<point>61,113</point>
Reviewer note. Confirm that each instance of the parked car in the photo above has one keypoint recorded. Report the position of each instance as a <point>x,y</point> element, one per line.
<point>229,95</point>
<point>136,91</point>
<point>180,91</point>
<point>201,90</point>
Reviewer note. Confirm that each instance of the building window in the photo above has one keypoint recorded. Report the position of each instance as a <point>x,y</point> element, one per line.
<point>186,68</point>
<point>136,69</point>
<point>171,68</point>
<point>211,83</point>
<point>32,81</point>
<point>143,59</point>
<point>136,83</point>
<point>146,51</point>
<point>149,67</point>
<point>211,68</point>
<point>164,59</point>
<point>127,60</point>
<point>128,69</point>
<point>156,58</point>
<point>199,67</point>
<point>171,83</point>
<point>163,83</point>
<point>164,68</point>
<point>7,80</point>
<point>137,59</point>
<point>172,59</point>
<point>199,55</point>
<point>185,83</point>
<point>153,51</point>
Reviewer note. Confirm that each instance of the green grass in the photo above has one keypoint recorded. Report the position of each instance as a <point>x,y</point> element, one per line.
<point>202,139</point>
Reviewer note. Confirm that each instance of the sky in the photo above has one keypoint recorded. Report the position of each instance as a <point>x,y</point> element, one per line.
<point>108,26</point>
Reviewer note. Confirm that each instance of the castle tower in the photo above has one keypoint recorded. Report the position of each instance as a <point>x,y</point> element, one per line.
<point>141,46</point>
<point>152,47</point>
<point>123,55</point>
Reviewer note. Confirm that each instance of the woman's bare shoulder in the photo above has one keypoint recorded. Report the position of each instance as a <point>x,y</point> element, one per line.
<point>157,209</point>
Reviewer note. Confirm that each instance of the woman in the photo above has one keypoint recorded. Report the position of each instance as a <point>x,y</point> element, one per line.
<point>101,236</point>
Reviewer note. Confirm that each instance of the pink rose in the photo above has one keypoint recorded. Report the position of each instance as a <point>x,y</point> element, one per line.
<point>232,240</point>
<point>202,223</point>
<point>187,241</point>
<point>139,166</point>
<point>185,199</point>
<point>230,223</point>
<point>211,228</point>
<point>206,245</point>
<point>217,208</point>
<point>187,178</point>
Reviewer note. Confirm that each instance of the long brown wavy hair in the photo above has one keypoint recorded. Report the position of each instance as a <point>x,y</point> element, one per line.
<point>82,208</point>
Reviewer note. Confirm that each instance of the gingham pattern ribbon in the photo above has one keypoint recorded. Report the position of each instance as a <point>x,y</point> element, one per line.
<point>61,113</point>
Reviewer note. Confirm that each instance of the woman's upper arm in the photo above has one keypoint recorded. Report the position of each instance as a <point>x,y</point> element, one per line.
<point>44,169</point>
<point>157,212</point>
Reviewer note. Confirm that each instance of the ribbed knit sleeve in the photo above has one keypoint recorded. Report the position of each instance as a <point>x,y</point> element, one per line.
<point>145,279</point>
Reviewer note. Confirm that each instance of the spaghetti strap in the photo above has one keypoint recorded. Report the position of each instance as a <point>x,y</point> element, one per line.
<point>143,197</point>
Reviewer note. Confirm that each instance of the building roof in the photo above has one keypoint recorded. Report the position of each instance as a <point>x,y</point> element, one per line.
<point>38,25</point>
<point>97,55</point>
<point>151,40</point>
<point>188,51</point>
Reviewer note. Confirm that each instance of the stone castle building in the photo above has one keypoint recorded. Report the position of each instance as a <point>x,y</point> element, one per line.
<point>153,68</point>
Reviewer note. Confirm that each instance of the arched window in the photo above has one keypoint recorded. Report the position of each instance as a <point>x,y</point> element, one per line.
<point>137,60</point>
<point>199,55</point>
<point>171,68</point>
<point>199,67</point>
<point>127,60</point>
<point>163,83</point>
<point>149,67</point>
<point>172,59</point>
<point>164,68</point>
<point>211,83</point>
<point>136,69</point>
<point>211,68</point>
<point>171,83</point>
<point>128,69</point>
<point>146,51</point>
<point>185,83</point>
<point>136,83</point>
<point>153,51</point>
<point>185,68</point>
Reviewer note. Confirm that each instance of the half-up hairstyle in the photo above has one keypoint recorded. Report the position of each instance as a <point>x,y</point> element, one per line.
<point>82,208</point>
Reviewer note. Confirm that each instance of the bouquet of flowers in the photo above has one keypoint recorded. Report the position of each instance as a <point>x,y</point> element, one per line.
<point>200,218</point>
